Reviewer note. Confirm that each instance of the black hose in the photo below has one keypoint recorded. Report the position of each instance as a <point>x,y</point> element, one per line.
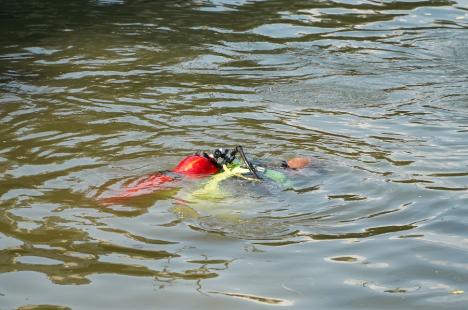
<point>249,165</point>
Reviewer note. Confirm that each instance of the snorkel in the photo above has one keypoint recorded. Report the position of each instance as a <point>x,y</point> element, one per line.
<point>246,162</point>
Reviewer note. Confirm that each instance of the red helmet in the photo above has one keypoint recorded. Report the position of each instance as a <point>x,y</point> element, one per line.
<point>196,165</point>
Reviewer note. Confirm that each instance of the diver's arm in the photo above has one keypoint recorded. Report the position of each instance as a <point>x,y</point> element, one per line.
<point>278,176</point>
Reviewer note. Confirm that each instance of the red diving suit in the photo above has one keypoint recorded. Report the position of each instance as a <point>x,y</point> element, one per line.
<point>194,166</point>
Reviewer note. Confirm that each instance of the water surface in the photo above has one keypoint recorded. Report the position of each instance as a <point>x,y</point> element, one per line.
<point>96,93</point>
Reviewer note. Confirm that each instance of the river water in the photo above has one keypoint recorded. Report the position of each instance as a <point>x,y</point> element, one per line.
<point>96,93</point>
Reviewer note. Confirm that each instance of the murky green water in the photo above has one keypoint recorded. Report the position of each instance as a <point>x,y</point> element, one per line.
<point>93,93</point>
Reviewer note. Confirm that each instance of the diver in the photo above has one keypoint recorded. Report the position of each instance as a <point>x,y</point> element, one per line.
<point>219,165</point>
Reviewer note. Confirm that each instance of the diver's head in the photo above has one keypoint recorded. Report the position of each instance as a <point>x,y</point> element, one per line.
<point>298,162</point>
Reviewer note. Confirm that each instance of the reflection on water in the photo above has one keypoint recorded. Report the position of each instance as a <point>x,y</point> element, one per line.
<point>96,94</point>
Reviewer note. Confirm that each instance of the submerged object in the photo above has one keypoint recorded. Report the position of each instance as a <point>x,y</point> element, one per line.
<point>279,177</point>
<point>192,166</point>
<point>222,164</point>
<point>146,185</point>
<point>196,165</point>
<point>213,190</point>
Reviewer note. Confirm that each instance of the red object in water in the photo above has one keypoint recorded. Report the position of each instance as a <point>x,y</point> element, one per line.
<point>148,184</point>
<point>196,165</point>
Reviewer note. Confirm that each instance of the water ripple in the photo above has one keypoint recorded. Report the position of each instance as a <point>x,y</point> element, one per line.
<point>97,95</point>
